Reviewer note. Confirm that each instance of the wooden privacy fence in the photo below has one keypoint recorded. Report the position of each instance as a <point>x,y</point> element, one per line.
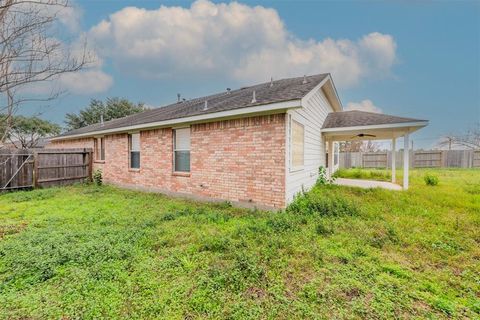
<point>418,159</point>
<point>375,160</point>
<point>16,169</point>
<point>427,159</point>
<point>44,168</point>
<point>476,159</point>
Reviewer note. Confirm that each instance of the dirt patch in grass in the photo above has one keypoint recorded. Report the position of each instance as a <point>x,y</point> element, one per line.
<point>10,229</point>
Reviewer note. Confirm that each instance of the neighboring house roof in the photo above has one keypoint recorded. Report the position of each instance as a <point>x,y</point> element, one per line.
<point>346,119</point>
<point>278,91</point>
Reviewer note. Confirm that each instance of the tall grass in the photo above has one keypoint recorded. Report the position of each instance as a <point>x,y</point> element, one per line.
<point>90,252</point>
<point>368,174</point>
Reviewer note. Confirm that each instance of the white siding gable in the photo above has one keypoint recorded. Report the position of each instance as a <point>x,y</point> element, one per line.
<point>312,115</point>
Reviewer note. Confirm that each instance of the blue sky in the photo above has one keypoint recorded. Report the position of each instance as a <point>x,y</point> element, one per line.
<point>417,59</point>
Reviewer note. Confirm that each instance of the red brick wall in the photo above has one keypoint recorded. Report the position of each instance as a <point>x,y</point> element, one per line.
<point>239,160</point>
<point>74,143</point>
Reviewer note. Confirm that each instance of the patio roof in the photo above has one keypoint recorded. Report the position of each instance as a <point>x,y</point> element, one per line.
<point>361,125</point>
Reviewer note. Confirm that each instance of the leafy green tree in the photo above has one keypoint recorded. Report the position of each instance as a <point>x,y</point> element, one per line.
<point>113,108</point>
<point>26,132</point>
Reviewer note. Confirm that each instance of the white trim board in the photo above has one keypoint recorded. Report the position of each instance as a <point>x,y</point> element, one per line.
<point>337,106</point>
<point>377,126</point>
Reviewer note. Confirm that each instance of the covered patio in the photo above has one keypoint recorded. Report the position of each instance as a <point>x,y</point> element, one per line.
<point>360,125</point>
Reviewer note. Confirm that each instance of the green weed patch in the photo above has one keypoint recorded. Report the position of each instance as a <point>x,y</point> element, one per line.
<point>99,252</point>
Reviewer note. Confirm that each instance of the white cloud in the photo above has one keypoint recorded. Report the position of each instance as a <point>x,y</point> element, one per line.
<point>70,16</point>
<point>91,79</point>
<point>88,81</point>
<point>85,82</point>
<point>66,12</point>
<point>234,41</point>
<point>379,51</point>
<point>364,105</point>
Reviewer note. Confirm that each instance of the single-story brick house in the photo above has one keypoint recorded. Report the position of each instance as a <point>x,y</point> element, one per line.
<point>256,146</point>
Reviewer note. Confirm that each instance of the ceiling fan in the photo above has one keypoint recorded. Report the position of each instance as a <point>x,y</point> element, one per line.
<point>361,135</point>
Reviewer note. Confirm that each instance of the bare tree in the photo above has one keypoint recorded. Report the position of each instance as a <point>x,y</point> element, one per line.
<point>359,146</point>
<point>30,54</point>
<point>469,140</point>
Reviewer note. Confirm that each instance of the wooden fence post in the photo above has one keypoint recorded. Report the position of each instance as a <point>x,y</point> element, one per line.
<point>90,164</point>
<point>35,169</point>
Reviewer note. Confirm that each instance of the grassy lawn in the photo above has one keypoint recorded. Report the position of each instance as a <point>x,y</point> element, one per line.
<point>101,252</point>
<point>368,174</point>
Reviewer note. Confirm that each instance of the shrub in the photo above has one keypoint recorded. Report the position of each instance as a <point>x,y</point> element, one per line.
<point>323,178</point>
<point>97,177</point>
<point>430,179</point>
<point>313,203</point>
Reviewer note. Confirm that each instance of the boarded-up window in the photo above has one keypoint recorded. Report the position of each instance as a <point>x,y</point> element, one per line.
<point>99,149</point>
<point>134,145</point>
<point>297,144</point>
<point>181,147</point>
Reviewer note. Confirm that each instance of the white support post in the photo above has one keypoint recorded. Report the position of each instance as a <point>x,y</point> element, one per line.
<point>394,151</point>
<point>330,159</point>
<point>406,158</point>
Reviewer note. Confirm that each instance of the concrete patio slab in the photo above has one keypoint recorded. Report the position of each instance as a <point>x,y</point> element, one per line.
<point>367,184</point>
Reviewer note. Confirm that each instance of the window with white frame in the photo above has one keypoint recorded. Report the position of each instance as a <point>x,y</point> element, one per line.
<point>100,149</point>
<point>297,144</point>
<point>134,150</point>
<point>181,150</point>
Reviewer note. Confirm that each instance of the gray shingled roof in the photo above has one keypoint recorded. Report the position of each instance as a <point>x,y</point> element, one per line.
<point>281,90</point>
<point>361,118</point>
